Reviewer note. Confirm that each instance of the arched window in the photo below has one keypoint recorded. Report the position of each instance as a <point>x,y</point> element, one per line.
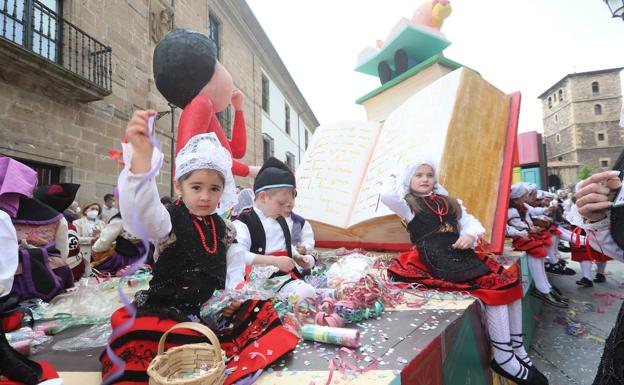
<point>597,109</point>
<point>549,102</point>
<point>595,87</point>
<point>560,95</point>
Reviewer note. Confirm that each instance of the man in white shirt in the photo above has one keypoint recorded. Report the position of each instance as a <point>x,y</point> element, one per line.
<point>108,210</point>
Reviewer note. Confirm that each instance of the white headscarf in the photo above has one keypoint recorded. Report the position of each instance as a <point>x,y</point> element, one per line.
<point>409,170</point>
<point>204,152</point>
<point>518,190</point>
<point>531,187</point>
<point>245,201</point>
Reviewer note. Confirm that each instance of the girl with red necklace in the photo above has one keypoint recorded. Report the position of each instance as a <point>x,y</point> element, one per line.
<point>195,255</point>
<point>444,236</point>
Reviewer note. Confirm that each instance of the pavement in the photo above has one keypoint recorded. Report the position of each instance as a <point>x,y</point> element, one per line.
<point>568,345</point>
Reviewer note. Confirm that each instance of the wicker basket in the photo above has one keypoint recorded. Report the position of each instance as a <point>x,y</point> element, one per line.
<point>164,368</point>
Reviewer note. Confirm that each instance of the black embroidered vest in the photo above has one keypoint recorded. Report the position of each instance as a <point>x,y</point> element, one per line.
<point>258,237</point>
<point>186,275</point>
<point>257,233</point>
<point>433,234</point>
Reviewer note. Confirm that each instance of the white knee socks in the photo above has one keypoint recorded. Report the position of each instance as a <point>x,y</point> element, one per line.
<point>586,269</point>
<point>498,328</point>
<point>556,254</point>
<point>536,268</point>
<point>601,267</point>
<point>515,328</point>
<point>552,256</point>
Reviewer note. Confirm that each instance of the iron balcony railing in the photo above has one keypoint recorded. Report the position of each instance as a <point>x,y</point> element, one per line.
<point>42,31</point>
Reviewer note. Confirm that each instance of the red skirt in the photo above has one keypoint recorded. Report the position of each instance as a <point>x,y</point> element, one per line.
<point>532,245</point>
<point>261,332</point>
<point>584,252</point>
<point>500,287</point>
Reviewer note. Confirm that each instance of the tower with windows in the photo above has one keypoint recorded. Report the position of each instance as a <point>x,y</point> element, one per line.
<point>581,114</point>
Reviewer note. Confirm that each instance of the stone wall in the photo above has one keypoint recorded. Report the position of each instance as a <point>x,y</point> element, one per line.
<point>54,129</point>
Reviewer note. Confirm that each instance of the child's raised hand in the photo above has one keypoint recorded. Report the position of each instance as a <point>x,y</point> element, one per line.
<point>138,135</point>
<point>305,261</point>
<point>284,264</point>
<point>138,132</point>
<point>464,242</point>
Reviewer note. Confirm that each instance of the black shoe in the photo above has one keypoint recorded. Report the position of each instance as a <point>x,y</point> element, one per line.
<point>529,365</point>
<point>558,294</point>
<point>563,248</point>
<point>549,299</point>
<point>15,366</point>
<point>400,61</point>
<point>600,278</point>
<point>385,72</point>
<point>532,377</point>
<point>558,268</point>
<point>585,282</point>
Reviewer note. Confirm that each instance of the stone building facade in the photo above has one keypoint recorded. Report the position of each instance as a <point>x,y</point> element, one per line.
<point>581,115</point>
<point>63,108</point>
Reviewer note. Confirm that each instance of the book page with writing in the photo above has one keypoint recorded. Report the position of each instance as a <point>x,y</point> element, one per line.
<point>416,128</point>
<point>330,175</point>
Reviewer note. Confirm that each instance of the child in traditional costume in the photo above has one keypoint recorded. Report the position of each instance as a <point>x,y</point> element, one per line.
<point>534,242</point>
<point>301,233</point>
<point>42,233</point>
<point>17,182</point>
<point>444,235</point>
<point>538,218</point>
<point>195,258</point>
<point>116,248</point>
<point>263,233</point>
<point>583,253</point>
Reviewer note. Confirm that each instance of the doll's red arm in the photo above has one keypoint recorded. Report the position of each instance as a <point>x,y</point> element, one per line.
<point>238,144</point>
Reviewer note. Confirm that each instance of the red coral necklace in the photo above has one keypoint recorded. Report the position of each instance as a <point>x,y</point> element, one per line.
<point>203,237</point>
<point>438,210</point>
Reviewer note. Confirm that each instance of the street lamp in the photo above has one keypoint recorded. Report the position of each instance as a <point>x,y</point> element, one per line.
<point>616,7</point>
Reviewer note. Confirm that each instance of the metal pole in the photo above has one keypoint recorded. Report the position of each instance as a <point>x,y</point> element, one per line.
<point>173,146</point>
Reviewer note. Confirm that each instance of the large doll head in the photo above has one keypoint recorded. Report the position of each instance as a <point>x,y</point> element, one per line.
<point>185,65</point>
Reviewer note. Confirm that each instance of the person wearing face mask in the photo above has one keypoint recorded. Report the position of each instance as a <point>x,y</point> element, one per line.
<point>108,210</point>
<point>89,228</point>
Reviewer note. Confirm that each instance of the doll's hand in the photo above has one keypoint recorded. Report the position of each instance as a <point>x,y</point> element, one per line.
<point>253,171</point>
<point>237,100</point>
<point>301,249</point>
<point>305,261</point>
<point>37,241</point>
<point>231,309</point>
<point>285,264</point>
<point>464,242</point>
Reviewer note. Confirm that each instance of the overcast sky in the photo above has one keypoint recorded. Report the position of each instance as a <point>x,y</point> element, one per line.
<point>524,45</point>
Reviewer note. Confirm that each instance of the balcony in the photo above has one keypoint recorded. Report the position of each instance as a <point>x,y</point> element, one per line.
<point>42,51</point>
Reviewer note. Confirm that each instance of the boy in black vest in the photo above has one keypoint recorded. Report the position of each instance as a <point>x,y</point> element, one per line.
<point>262,231</point>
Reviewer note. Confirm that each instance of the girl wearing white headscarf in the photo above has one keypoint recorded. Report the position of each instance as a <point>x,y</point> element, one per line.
<point>444,235</point>
<point>529,239</point>
<point>197,255</point>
